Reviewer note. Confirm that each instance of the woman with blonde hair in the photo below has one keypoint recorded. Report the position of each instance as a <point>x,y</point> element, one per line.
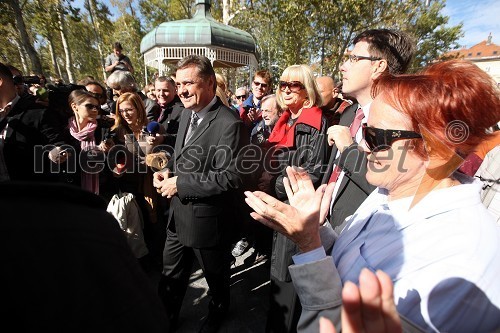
<point>299,139</point>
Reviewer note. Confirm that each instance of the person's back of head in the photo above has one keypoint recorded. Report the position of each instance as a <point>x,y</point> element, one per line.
<point>396,47</point>
<point>123,81</point>
<point>8,88</point>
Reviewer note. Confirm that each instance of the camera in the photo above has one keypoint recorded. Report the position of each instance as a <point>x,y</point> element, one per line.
<point>33,79</point>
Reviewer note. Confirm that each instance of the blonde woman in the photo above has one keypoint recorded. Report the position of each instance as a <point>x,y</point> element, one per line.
<point>299,139</point>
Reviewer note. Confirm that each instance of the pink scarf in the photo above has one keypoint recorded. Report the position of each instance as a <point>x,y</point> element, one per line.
<point>90,181</point>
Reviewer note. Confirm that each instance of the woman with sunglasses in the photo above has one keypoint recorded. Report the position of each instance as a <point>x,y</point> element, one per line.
<point>83,136</point>
<point>299,139</point>
<point>424,224</point>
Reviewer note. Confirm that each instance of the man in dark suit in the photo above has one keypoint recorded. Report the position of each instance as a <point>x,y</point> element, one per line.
<point>375,52</point>
<point>27,129</point>
<point>202,180</point>
<point>170,107</point>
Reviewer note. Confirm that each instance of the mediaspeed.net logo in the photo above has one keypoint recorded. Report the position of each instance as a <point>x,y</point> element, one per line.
<point>440,169</point>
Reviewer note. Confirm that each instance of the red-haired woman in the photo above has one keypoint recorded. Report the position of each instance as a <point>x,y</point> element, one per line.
<point>130,134</point>
<point>424,224</point>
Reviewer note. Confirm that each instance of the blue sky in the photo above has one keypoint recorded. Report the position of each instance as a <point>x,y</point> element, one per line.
<point>480,17</point>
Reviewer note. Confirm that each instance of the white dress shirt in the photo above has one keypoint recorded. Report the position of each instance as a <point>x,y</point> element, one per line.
<point>443,256</point>
<point>358,138</point>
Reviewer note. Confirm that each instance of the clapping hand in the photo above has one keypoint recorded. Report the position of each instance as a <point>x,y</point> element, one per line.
<point>367,308</point>
<point>300,220</point>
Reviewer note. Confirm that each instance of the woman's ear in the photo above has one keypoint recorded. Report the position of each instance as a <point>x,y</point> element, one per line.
<point>74,107</point>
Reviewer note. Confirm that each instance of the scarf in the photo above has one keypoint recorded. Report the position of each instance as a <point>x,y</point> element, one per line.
<point>89,181</point>
<point>284,136</point>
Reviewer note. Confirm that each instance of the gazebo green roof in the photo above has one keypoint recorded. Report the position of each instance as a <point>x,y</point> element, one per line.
<point>201,30</point>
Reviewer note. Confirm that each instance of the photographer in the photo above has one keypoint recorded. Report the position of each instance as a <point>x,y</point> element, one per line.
<point>118,61</point>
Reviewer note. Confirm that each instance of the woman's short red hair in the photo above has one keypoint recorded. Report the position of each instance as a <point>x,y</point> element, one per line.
<point>444,98</point>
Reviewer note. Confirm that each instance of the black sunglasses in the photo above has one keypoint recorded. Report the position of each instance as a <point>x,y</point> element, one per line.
<point>378,139</point>
<point>263,85</point>
<point>294,86</point>
<point>90,106</point>
<point>241,97</point>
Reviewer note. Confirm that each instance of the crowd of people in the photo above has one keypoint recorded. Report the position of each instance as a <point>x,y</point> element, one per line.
<point>375,213</point>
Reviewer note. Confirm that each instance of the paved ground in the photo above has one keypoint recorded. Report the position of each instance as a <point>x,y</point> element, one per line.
<point>249,298</point>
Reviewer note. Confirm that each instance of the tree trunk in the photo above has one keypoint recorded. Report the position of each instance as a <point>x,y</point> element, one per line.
<point>36,65</point>
<point>226,4</point>
<point>67,53</point>
<point>55,65</point>
<point>22,54</point>
<point>95,26</point>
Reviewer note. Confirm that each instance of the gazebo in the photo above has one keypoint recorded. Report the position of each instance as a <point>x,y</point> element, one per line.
<point>225,46</point>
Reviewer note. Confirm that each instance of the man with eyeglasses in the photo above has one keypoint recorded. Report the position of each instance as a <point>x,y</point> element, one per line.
<point>250,108</point>
<point>375,52</point>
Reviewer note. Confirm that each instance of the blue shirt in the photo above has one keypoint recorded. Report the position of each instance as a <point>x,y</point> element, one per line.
<point>443,256</point>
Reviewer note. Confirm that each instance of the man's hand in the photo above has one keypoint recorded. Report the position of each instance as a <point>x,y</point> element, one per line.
<point>59,155</point>
<point>367,308</point>
<point>165,184</point>
<point>340,136</point>
<point>299,220</point>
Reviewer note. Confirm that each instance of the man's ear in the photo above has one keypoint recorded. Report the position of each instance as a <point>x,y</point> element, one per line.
<point>379,68</point>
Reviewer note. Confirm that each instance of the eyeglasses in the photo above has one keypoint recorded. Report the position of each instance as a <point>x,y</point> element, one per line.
<point>90,106</point>
<point>379,139</point>
<point>294,86</point>
<point>126,110</point>
<point>355,58</point>
<point>257,84</point>
<point>241,97</point>
<point>116,95</point>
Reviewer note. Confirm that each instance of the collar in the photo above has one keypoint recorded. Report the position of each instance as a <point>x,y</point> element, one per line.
<point>459,196</point>
<point>310,116</point>
<point>249,102</point>
<point>366,111</point>
<point>203,112</point>
<point>9,107</point>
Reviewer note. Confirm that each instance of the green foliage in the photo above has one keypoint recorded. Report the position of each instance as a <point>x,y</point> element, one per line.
<point>315,32</point>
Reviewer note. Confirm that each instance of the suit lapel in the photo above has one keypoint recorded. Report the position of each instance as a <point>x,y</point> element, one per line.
<point>183,126</point>
<point>345,120</point>
<point>204,125</point>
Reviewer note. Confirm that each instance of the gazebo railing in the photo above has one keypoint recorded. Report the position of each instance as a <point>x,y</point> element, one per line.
<point>155,57</point>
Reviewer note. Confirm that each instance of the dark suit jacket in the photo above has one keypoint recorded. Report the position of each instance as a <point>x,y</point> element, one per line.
<point>354,188</point>
<point>30,128</point>
<point>208,178</point>
<point>169,118</point>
